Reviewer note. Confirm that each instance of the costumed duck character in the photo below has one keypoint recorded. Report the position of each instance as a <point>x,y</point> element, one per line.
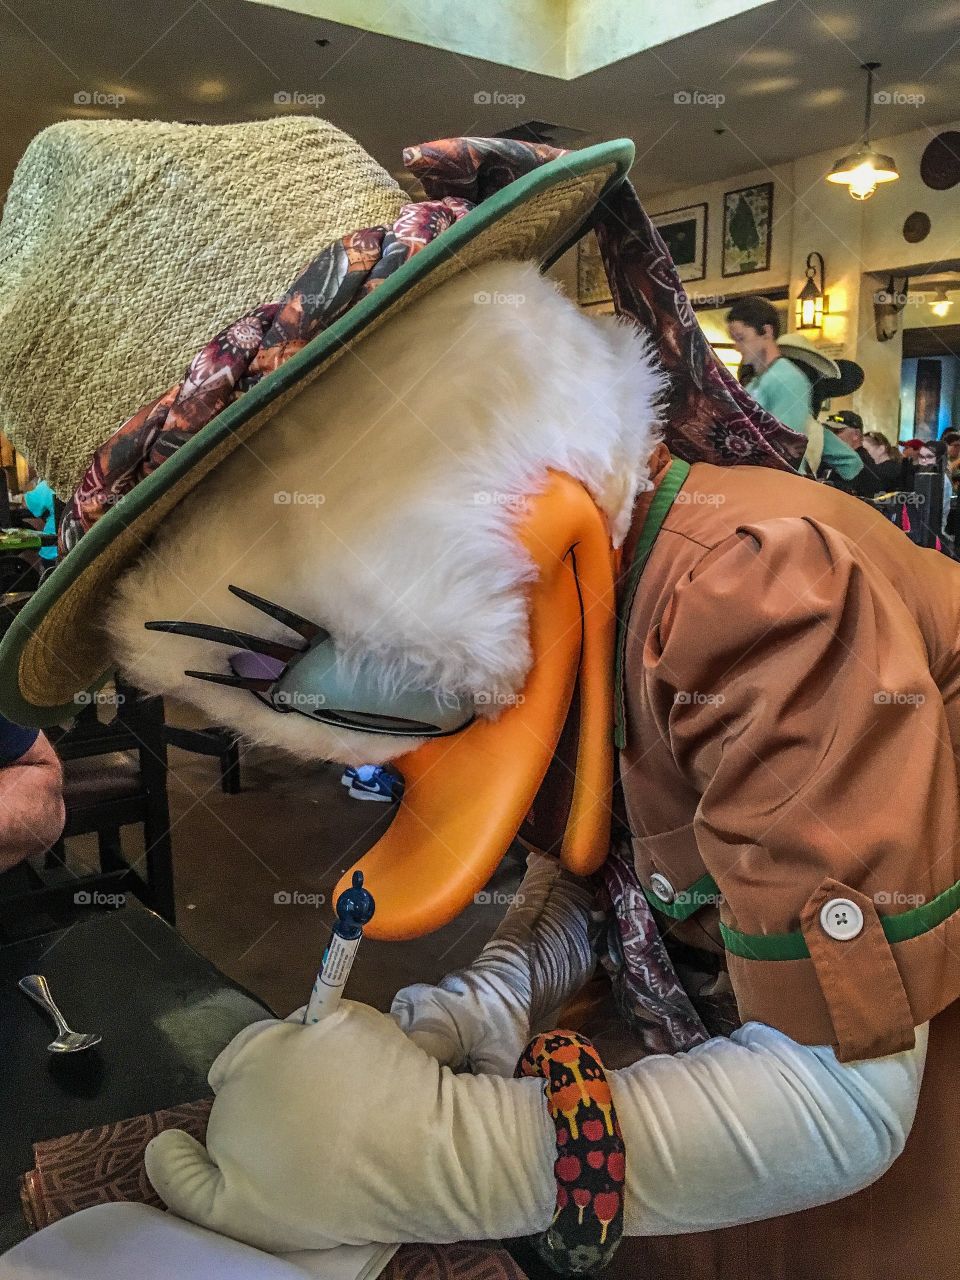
<point>465,463</point>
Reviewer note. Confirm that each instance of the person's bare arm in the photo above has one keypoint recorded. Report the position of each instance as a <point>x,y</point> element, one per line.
<point>31,804</point>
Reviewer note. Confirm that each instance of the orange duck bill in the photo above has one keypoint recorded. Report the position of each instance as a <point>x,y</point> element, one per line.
<point>466,796</point>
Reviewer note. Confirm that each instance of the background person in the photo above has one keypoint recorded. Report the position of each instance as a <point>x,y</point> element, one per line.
<point>31,794</point>
<point>951,440</point>
<point>782,388</point>
<point>876,476</point>
<point>39,501</point>
<point>848,427</point>
<point>884,458</point>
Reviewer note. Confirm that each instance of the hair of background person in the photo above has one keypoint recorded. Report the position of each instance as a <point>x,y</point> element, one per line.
<point>878,438</point>
<point>757,313</point>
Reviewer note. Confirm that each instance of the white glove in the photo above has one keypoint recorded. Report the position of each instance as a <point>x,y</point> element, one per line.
<point>346,1132</point>
<point>540,956</point>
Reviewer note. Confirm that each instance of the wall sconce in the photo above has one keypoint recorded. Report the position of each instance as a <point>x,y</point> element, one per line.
<point>812,303</point>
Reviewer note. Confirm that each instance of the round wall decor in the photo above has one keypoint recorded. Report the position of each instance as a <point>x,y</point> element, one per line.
<point>916,227</point>
<point>940,163</point>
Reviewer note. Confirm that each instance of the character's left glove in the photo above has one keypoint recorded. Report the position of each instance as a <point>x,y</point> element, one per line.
<point>345,1132</point>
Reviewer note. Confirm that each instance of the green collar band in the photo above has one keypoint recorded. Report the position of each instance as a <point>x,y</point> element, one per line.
<point>663,500</point>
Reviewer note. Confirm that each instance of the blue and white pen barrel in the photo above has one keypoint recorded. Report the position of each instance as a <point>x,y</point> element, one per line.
<point>355,908</point>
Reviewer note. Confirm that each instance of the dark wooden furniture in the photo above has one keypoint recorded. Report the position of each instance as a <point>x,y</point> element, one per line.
<point>224,744</point>
<point>115,776</point>
<point>164,1013</point>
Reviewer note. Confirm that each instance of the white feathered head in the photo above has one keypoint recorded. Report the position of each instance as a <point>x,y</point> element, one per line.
<point>441,510</point>
<point>382,505</point>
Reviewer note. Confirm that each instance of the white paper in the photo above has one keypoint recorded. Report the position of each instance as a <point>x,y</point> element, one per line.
<point>346,1262</point>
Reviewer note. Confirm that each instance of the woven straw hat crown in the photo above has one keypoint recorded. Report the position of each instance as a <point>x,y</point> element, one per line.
<point>126,245</point>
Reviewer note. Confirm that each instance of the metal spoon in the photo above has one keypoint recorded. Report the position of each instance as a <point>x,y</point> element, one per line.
<point>35,986</point>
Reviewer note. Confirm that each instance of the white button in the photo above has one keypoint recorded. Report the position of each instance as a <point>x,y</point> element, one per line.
<point>841,919</point>
<point>662,887</point>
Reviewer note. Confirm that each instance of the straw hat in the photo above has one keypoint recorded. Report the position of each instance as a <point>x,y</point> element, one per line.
<point>125,246</point>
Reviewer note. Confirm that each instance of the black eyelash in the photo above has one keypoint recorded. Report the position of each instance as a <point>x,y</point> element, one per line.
<point>221,635</point>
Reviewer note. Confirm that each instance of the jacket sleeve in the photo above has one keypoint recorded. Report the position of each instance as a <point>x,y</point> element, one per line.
<point>794,688</point>
<point>840,457</point>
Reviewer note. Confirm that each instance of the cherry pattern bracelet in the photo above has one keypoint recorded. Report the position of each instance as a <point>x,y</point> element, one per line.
<point>591,1165</point>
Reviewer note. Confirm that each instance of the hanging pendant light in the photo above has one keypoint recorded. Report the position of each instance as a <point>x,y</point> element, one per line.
<point>941,304</point>
<point>862,170</point>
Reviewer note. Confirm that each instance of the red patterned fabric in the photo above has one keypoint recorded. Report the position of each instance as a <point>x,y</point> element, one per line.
<point>709,417</point>
<point>648,992</point>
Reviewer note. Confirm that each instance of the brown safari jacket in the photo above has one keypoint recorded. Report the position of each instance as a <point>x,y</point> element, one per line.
<point>791,712</point>
<point>792,702</point>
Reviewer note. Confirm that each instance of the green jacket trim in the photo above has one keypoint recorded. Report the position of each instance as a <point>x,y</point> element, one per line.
<point>792,946</point>
<point>702,893</point>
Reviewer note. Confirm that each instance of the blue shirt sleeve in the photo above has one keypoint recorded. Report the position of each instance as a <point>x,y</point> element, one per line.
<point>39,500</point>
<point>785,392</point>
<point>15,741</point>
<point>844,460</point>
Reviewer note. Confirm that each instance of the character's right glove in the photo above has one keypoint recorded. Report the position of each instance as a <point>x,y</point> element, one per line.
<point>540,956</point>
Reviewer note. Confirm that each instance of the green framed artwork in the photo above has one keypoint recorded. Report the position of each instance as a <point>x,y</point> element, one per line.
<point>684,232</point>
<point>747,230</point>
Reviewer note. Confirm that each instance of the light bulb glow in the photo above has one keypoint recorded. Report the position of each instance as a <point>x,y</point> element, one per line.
<point>862,172</point>
<point>941,307</point>
<point>862,181</point>
<point>811,302</point>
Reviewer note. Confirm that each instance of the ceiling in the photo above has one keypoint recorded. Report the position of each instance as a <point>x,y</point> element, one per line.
<point>566,39</point>
<point>787,73</point>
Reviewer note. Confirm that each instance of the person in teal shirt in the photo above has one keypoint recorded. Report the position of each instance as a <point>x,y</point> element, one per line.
<point>39,502</point>
<point>779,386</point>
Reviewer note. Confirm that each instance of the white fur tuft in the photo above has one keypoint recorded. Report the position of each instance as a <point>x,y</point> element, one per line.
<point>381,502</point>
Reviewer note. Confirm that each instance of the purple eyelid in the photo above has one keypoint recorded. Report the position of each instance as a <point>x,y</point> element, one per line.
<point>256,665</point>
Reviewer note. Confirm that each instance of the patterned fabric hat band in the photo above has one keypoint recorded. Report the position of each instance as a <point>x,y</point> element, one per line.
<point>709,417</point>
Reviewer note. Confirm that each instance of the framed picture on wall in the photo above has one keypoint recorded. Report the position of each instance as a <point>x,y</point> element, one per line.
<point>592,286</point>
<point>685,234</point>
<point>747,230</point>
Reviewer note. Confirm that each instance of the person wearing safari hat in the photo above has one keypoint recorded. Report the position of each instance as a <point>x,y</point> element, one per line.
<point>784,366</point>
<point>586,556</point>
